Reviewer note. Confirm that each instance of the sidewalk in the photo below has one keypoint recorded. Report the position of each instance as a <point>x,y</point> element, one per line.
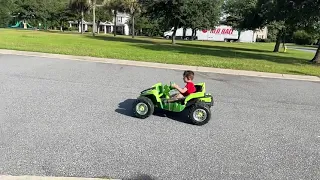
<point>164,66</point>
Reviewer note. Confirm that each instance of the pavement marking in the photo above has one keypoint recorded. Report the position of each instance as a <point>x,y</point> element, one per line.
<point>8,177</point>
<point>164,66</point>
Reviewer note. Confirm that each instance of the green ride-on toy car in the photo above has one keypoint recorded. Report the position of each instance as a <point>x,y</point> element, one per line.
<point>198,103</point>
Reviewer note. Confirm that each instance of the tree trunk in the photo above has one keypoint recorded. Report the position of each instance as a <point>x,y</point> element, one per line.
<point>98,27</point>
<point>194,34</point>
<point>184,33</point>
<point>278,42</point>
<point>174,36</point>
<point>133,26</point>
<point>316,57</point>
<point>82,22</point>
<point>94,19</point>
<point>239,34</point>
<point>115,24</point>
<point>61,26</point>
<point>284,41</point>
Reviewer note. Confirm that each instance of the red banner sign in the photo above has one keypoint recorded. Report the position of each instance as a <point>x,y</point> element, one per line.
<point>219,31</point>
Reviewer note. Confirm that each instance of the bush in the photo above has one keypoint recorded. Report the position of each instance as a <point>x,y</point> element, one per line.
<point>73,28</point>
<point>302,38</point>
<point>263,40</point>
<point>89,29</point>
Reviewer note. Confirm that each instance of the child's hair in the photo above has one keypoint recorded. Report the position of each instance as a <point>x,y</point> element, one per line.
<point>188,74</point>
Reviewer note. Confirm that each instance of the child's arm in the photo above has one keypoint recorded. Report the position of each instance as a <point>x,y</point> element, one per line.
<point>181,90</point>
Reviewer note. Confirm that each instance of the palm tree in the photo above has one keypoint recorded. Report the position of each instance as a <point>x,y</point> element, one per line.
<point>115,6</point>
<point>80,6</point>
<point>133,7</point>
<point>94,4</point>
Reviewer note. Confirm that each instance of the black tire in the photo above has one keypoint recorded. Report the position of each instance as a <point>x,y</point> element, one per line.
<point>203,108</point>
<point>145,103</point>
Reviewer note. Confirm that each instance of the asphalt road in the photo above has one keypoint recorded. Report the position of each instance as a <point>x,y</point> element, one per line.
<point>72,118</point>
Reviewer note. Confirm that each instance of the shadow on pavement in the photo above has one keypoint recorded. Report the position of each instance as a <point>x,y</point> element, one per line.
<point>125,108</point>
<point>141,177</point>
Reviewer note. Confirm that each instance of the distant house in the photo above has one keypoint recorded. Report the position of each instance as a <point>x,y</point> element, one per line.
<point>262,33</point>
<point>106,27</point>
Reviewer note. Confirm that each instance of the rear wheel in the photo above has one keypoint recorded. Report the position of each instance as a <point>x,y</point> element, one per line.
<point>143,107</point>
<point>199,114</point>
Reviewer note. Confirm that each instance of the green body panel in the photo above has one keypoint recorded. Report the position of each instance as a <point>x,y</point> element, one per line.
<point>174,107</point>
<point>159,92</point>
<point>155,93</point>
<point>196,94</point>
<point>206,99</point>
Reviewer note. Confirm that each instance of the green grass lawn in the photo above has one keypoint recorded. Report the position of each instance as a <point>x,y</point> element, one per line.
<point>243,56</point>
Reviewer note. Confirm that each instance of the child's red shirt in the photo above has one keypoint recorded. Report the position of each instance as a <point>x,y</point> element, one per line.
<point>190,89</point>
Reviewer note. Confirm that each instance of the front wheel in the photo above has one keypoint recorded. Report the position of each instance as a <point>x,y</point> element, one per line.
<point>199,114</point>
<point>143,107</point>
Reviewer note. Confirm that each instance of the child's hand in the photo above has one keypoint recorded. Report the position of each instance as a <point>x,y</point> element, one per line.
<point>175,85</point>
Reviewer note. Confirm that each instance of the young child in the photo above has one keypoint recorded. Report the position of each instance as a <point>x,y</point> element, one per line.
<point>188,89</point>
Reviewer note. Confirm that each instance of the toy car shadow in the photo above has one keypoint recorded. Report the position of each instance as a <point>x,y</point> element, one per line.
<point>125,108</point>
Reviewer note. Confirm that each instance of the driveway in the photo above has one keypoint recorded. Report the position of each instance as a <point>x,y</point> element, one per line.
<point>302,48</point>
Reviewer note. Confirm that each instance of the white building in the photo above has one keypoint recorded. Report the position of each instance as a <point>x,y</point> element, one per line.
<point>261,33</point>
<point>106,27</point>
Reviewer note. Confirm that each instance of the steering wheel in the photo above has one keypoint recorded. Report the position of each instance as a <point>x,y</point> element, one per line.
<point>167,89</point>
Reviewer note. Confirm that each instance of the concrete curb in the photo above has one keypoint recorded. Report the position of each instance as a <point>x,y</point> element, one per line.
<point>7,177</point>
<point>164,66</point>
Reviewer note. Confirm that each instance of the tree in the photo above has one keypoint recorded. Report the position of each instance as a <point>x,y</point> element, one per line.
<point>199,14</point>
<point>144,25</point>
<point>309,19</point>
<point>27,10</point>
<point>6,9</point>
<point>243,15</point>
<point>59,13</point>
<point>314,30</point>
<point>133,7</point>
<point>80,7</point>
<point>94,4</point>
<point>102,15</point>
<point>283,14</point>
<point>170,10</point>
<point>115,6</point>
<point>184,13</point>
